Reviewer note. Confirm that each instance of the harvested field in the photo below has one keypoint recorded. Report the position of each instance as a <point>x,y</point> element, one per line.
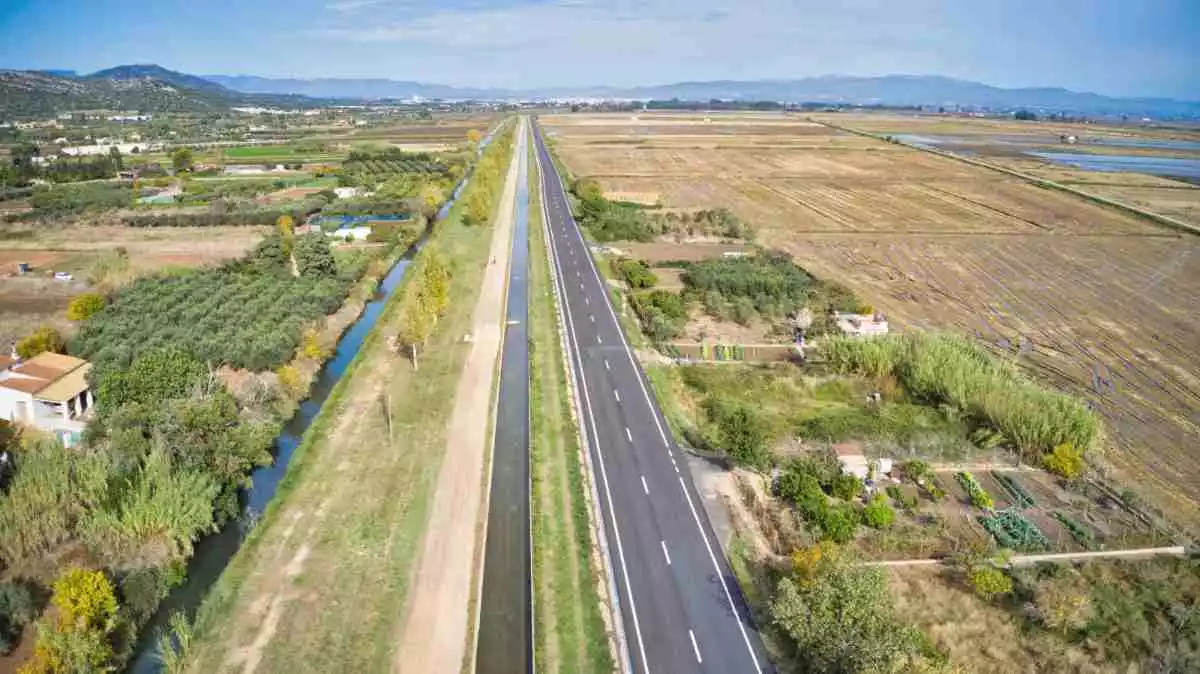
<point>1103,301</point>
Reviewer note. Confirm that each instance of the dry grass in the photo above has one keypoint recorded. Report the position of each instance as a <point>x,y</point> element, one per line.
<point>978,635</point>
<point>1104,300</point>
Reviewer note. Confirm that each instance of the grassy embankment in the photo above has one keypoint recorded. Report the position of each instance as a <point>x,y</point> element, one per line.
<point>321,582</point>
<point>569,627</point>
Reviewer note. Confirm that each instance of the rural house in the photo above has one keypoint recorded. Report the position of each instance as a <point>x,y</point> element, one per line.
<point>48,392</point>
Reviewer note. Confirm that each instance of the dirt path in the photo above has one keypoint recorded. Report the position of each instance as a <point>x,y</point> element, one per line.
<point>434,637</point>
<point>1022,560</point>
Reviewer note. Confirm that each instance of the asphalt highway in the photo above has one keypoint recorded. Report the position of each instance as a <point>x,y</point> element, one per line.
<point>680,606</point>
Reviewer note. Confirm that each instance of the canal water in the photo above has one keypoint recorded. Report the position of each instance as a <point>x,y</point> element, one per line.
<point>505,641</point>
<point>213,553</point>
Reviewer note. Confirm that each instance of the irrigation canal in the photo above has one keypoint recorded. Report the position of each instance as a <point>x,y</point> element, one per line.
<point>213,553</point>
<point>505,637</point>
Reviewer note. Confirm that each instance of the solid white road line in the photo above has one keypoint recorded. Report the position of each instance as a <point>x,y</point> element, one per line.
<point>662,434</point>
<point>617,395</point>
<point>645,488</point>
<point>665,553</point>
<point>695,647</point>
<point>628,435</point>
<point>573,341</point>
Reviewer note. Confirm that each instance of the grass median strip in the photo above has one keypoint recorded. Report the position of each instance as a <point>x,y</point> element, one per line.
<point>570,632</point>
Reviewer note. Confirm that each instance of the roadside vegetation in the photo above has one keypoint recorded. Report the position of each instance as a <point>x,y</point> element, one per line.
<point>764,287</point>
<point>349,515</point>
<point>608,220</point>
<point>571,634</point>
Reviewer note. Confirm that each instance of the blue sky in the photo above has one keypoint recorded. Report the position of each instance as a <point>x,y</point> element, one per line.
<point>1116,47</point>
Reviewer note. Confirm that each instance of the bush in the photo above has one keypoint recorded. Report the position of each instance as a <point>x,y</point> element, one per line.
<point>78,638</point>
<point>741,432</point>
<point>43,339</point>
<point>313,256</point>
<point>803,489</point>
<point>989,582</point>
<point>840,618</point>
<point>1065,461</point>
<point>846,487</point>
<point>152,377</point>
<point>636,273</point>
<point>838,523</point>
<point>82,307</point>
<point>663,314</point>
<point>878,514</point>
<point>17,610</point>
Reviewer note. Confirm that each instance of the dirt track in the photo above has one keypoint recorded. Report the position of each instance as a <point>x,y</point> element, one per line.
<point>440,612</point>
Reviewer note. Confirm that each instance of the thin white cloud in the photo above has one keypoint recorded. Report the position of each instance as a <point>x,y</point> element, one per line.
<point>347,6</point>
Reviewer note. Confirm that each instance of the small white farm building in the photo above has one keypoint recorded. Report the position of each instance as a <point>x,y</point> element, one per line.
<point>861,325</point>
<point>48,392</point>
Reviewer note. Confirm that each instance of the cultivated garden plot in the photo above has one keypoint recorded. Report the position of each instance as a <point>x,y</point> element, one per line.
<point>1088,299</point>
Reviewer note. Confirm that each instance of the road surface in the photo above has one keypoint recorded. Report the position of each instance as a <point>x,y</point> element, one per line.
<point>680,605</point>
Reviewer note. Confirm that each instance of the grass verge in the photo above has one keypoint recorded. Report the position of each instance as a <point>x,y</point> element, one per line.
<point>569,629</point>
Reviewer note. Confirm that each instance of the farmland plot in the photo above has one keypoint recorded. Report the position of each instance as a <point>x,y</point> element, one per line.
<point>1089,299</point>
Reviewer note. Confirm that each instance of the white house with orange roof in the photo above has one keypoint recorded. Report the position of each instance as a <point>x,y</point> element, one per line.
<point>48,392</point>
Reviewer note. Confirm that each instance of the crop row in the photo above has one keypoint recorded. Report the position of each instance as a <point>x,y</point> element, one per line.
<point>1021,497</point>
<point>379,167</point>
<point>975,492</point>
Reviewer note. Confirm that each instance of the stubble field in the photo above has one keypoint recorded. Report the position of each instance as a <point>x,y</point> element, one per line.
<point>1090,299</point>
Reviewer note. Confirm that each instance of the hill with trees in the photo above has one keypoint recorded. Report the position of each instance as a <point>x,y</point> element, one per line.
<point>26,94</point>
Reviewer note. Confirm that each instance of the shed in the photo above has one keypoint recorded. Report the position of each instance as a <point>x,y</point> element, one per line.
<point>851,458</point>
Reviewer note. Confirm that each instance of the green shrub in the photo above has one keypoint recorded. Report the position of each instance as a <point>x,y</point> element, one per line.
<point>636,273</point>
<point>878,514</point>
<point>741,431</point>
<point>1064,460</point>
<point>83,306</point>
<point>841,619</point>
<point>17,609</point>
<point>838,523</point>
<point>846,487</point>
<point>663,313</point>
<point>803,489</point>
<point>43,339</point>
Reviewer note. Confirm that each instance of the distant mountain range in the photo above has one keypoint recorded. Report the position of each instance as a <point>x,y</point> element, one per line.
<point>369,89</point>
<point>890,90</point>
<point>152,88</point>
